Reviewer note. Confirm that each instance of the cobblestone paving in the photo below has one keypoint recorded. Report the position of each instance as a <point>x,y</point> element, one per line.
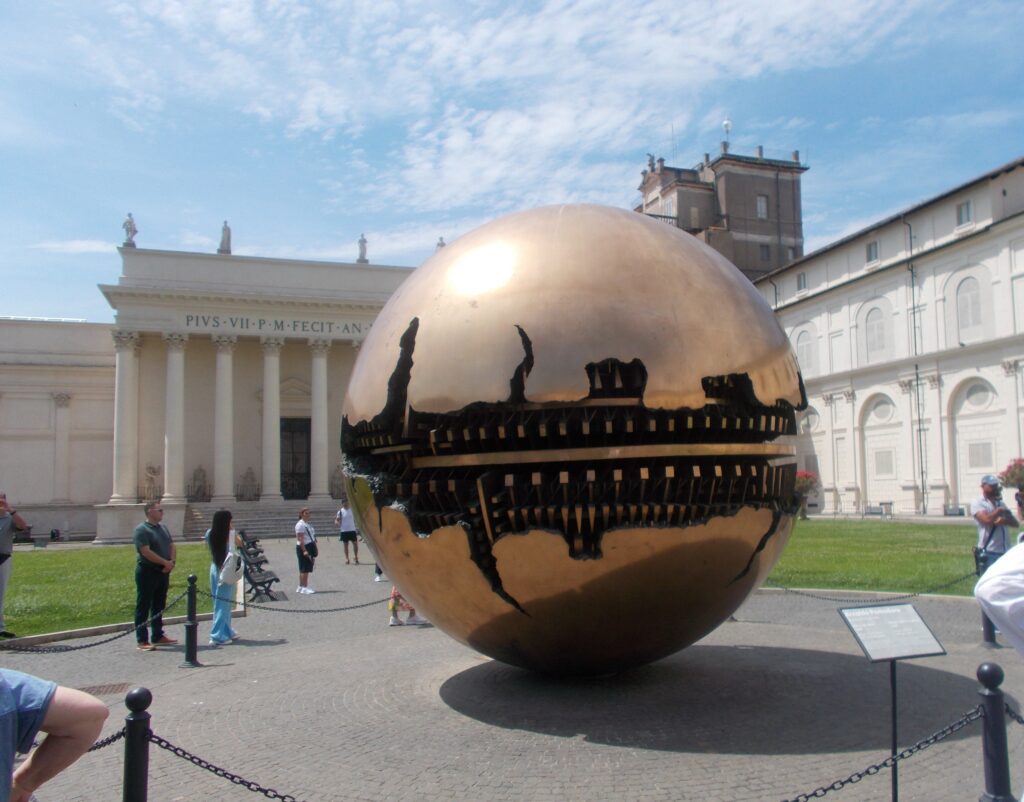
<point>337,706</point>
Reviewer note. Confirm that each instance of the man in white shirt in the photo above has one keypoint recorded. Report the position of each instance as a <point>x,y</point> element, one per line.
<point>346,522</point>
<point>994,520</point>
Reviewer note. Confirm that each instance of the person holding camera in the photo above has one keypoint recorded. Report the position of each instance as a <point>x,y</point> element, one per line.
<point>994,521</point>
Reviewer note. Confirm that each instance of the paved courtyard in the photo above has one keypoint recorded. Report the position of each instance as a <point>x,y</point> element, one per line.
<point>337,706</point>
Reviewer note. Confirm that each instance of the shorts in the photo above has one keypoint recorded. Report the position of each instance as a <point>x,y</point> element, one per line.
<point>305,561</point>
<point>348,537</point>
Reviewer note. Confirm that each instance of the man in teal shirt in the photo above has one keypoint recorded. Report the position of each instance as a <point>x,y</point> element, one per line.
<point>153,569</point>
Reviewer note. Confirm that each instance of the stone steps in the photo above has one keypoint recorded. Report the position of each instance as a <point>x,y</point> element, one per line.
<point>262,519</point>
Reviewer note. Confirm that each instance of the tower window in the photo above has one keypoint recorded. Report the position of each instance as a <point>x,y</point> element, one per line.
<point>762,207</point>
<point>766,253</point>
<point>871,252</point>
<point>801,281</point>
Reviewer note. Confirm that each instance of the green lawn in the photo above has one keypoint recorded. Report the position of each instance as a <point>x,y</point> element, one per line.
<point>876,555</point>
<point>57,589</point>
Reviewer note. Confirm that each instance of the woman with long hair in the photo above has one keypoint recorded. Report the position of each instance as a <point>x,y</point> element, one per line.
<point>219,537</point>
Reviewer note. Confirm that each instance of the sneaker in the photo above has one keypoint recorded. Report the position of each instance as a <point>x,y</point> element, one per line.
<point>163,640</point>
<point>145,646</point>
<point>395,621</point>
<point>416,620</point>
<point>300,589</point>
<point>219,642</point>
<point>379,578</point>
<point>309,590</point>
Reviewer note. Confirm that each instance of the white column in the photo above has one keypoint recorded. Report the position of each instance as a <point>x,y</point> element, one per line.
<point>318,484</point>
<point>174,421</point>
<point>857,435</point>
<point>224,422</point>
<point>271,479</point>
<point>61,446</point>
<point>126,417</point>
<point>1011,392</point>
<point>826,460</point>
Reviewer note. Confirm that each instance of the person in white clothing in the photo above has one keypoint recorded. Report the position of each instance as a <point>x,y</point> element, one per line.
<point>346,522</point>
<point>1000,592</point>
<point>305,550</point>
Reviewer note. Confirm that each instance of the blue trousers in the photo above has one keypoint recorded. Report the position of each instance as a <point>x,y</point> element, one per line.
<point>224,596</point>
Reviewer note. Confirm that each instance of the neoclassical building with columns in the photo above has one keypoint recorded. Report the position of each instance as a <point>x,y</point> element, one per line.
<point>221,380</point>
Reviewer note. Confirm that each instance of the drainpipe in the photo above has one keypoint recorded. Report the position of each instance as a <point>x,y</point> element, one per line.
<point>774,287</point>
<point>922,456</point>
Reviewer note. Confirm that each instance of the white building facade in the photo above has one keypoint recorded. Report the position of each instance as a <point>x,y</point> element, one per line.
<point>221,380</point>
<point>910,337</point>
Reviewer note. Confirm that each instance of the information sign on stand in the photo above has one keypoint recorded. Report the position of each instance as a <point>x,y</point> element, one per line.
<point>891,632</point>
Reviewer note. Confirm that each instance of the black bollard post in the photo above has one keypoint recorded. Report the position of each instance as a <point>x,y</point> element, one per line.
<point>993,738</point>
<point>191,628</point>
<point>988,633</point>
<point>136,745</point>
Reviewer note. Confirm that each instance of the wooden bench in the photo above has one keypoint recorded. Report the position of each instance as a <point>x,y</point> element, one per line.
<point>261,580</point>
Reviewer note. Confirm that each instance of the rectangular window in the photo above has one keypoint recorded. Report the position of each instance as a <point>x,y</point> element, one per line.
<point>801,281</point>
<point>694,217</point>
<point>979,455</point>
<point>963,213</point>
<point>871,252</point>
<point>791,253</point>
<point>766,253</point>
<point>762,207</point>
<point>670,207</point>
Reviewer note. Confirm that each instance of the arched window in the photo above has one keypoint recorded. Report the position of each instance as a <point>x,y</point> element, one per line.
<point>805,353</point>
<point>968,310</point>
<point>874,335</point>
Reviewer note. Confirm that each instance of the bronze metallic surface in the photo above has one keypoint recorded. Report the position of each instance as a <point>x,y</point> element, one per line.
<point>560,439</point>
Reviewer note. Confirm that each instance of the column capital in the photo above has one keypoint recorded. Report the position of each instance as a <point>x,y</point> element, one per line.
<point>272,345</point>
<point>319,347</point>
<point>61,399</point>
<point>175,341</point>
<point>1010,366</point>
<point>224,342</point>
<point>850,395</point>
<point>906,386</point>
<point>828,399</point>
<point>125,339</point>
<point>934,380</point>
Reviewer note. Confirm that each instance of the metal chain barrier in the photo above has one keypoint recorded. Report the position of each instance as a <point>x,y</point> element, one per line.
<point>968,718</point>
<point>1014,715</point>
<point>11,647</point>
<point>269,793</point>
<point>110,739</point>
<point>291,610</point>
<point>855,599</point>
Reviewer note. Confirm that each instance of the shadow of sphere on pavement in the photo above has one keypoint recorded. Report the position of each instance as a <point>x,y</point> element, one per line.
<point>724,699</point>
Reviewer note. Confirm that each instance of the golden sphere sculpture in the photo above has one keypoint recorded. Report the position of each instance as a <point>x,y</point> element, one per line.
<point>561,439</point>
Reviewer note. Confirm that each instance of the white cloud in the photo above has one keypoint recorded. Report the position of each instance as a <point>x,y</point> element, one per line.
<point>75,246</point>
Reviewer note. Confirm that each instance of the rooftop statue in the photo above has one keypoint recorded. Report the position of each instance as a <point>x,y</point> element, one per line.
<point>129,231</point>
<point>225,239</point>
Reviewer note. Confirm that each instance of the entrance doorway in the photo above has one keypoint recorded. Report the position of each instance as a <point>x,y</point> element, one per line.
<point>295,457</point>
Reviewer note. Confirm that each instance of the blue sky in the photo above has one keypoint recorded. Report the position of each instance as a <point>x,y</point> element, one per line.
<point>305,124</point>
